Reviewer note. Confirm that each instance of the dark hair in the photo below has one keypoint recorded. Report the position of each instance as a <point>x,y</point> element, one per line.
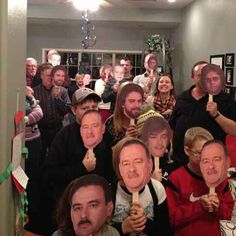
<point>154,125</point>
<point>43,67</point>
<point>125,142</point>
<point>215,141</point>
<point>197,64</point>
<point>172,91</point>
<point>63,212</point>
<point>126,58</point>
<point>56,68</point>
<point>212,67</point>
<point>124,91</point>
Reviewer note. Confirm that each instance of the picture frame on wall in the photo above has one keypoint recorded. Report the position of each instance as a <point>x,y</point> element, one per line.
<point>218,60</point>
<point>229,59</point>
<point>229,76</point>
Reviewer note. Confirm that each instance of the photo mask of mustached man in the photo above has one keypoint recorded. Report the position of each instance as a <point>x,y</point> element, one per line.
<point>212,80</point>
<point>214,163</point>
<point>133,164</point>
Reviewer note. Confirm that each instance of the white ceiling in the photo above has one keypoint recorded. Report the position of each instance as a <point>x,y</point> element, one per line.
<point>161,4</point>
<point>125,13</point>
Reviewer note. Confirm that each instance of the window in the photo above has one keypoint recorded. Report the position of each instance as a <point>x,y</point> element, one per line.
<point>90,61</point>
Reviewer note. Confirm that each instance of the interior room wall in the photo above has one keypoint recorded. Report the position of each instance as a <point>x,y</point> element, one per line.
<point>207,28</point>
<point>69,36</point>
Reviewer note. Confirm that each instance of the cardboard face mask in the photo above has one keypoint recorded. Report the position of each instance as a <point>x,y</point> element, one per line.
<point>212,80</point>
<point>91,130</point>
<point>134,167</point>
<point>214,165</point>
<point>152,64</point>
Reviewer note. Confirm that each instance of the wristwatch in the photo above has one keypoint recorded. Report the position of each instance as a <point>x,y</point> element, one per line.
<point>215,116</point>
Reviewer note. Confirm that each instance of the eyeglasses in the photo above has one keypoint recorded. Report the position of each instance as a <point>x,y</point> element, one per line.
<point>195,153</point>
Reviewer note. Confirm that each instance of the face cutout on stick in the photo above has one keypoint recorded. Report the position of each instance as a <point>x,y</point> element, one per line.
<point>92,130</point>
<point>214,164</point>
<point>212,80</point>
<point>134,167</point>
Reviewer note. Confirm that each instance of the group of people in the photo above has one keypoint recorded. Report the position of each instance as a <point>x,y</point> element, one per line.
<point>127,157</point>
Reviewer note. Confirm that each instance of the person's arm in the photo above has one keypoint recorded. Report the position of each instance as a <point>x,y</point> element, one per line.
<point>99,87</point>
<point>228,125</point>
<point>182,213</point>
<point>35,115</point>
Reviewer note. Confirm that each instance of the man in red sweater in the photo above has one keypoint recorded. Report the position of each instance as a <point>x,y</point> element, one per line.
<point>193,210</point>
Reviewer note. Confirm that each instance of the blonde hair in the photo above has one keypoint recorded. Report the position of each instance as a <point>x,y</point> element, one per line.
<point>194,134</point>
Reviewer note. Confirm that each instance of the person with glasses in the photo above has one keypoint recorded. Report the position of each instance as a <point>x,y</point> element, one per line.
<point>185,194</point>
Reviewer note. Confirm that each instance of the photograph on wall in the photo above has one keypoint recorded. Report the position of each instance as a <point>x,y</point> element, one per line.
<point>229,59</point>
<point>229,75</point>
<point>217,60</point>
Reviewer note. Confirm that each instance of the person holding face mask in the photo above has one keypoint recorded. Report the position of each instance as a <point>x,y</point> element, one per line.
<point>149,79</point>
<point>156,134</point>
<point>149,216</point>
<point>193,210</point>
<point>128,108</point>
<point>193,108</point>
<point>77,150</point>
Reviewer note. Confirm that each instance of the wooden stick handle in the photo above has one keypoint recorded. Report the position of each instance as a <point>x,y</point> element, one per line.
<point>135,197</point>
<point>157,163</point>
<point>132,122</point>
<point>210,98</point>
<point>212,190</point>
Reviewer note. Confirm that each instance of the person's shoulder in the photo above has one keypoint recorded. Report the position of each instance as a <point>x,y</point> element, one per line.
<point>109,231</point>
<point>57,233</point>
<point>160,190</point>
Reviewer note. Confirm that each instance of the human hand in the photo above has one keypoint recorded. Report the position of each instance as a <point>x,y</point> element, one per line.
<point>89,161</point>
<point>116,86</point>
<point>206,203</point>
<point>168,112</point>
<point>56,91</point>
<point>212,108</point>
<point>136,221</point>
<point>214,201</point>
<point>131,131</point>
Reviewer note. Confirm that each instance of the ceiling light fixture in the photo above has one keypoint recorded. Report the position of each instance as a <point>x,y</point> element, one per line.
<point>171,1</point>
<point>85,6</point>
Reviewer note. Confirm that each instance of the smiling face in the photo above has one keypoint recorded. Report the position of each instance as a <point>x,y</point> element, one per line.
<point>134,167</point>
<point>92,129</point>
<point>89,211</point>
<point>59,77</point>
<point>164,84</point>
<point>214,164</point>
<point>133,104</point>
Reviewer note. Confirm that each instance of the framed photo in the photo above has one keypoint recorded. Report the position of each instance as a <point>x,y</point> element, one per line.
<point>229,75</point>
<point>229,59</point>
<point>218,60</point>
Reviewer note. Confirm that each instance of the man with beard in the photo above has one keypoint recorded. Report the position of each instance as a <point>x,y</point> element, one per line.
<point>85,208</point>
<point>128,107</point>
<point>149,214</point>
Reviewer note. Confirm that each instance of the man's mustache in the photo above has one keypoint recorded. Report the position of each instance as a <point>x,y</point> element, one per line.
<point>86,221</point>
<point>133,174</point>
